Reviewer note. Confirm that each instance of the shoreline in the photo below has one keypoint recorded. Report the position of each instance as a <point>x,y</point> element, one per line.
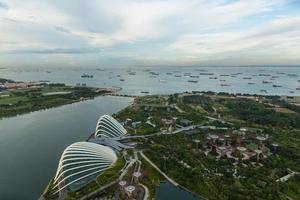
<point>116,94</point>
<point>11,107</point>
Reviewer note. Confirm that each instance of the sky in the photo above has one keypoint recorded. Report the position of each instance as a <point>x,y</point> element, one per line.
<point>149,32</point>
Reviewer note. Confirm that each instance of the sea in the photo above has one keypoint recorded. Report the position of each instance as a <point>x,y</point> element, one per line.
<point>280,80</point>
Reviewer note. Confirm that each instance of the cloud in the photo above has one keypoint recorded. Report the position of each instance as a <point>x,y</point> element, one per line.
<point>62,29</point>
<point>167,30</point>
<point>271,42</point>
<point>58,51</point>
<point>3,5</point>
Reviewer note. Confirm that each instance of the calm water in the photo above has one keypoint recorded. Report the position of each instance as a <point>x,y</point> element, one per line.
<point>287,77</point>
<point>167,191</point>
<point>31,144</point>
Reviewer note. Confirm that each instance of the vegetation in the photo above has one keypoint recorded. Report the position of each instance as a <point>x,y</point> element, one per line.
<point>47,96</point>
<point>151,178</point>
<point>49,191</point>
<point>176,155</point>
<point>258,113</point>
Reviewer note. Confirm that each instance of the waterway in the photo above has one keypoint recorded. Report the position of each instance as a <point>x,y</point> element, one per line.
<point>137,81</point>
<point>167,191</point>
<point>31,144</point>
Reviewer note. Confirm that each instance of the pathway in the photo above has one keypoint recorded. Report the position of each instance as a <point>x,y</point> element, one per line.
<point>161,172</point>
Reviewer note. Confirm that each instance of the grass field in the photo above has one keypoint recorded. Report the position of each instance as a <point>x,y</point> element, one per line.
<point>12,99</point>
<point>283,110</point>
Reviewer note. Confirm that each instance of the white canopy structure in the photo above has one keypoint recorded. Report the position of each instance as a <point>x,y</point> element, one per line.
<point>80,163</point>
<point>108,127</point>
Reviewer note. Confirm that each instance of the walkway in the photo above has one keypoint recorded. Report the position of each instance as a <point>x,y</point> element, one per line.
<point>287,177</point>
<point>161,172</point>
<point>146,196</point>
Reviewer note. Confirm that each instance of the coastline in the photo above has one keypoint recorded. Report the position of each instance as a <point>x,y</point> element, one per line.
<point>55,99</point>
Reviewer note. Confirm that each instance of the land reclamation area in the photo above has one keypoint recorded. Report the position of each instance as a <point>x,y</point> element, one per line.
<point>43,96</point>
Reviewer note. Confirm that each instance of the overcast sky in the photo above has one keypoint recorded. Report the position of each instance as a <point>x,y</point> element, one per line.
<point>149,32</point>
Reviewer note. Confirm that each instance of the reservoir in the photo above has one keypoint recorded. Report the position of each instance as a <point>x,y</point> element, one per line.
<point>31,144</point>
<point>167,191</point>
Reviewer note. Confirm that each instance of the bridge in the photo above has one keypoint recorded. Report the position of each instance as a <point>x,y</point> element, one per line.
<point>120,95</point>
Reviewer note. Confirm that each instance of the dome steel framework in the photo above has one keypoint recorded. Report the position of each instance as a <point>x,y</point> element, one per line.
<point>80,163</point>
<point>108,127</point>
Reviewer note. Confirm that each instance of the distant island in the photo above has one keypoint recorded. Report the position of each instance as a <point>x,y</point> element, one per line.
<point>211,145</point>
<point>23,97</point>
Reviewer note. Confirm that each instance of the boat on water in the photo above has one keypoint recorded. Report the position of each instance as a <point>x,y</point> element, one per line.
<point>225,85</point>
<point>193,76</point>
<point>87,76</point>
<point>169,73</point>
<point>251,83</point>
<point>154,73</point>
<point>292,75</point>
<point>163,81</point>
<point>192,81</point>
<point>265,91</point>
<point>208,74</point>
<point>264,75</point>
<point>274,85</point>
<point>266,82</point>
<point>247,78</point>
<point>122,79</point>
<point>144,92</point>
<point>236,74</point>
<point>44,81</point>
<point>213,78</point>
<point>224,75</point>
<point>187,74</point>
<point>146,70</point>
<point>178,75</point>
<point>292,91</point>
<point>275,77</point>
<point>222,80</point>
<point>132,73</point>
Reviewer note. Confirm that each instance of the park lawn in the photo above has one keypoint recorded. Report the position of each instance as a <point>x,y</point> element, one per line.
<point>283,110</point>
<point>12,99</point>
<point>199,109</point>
